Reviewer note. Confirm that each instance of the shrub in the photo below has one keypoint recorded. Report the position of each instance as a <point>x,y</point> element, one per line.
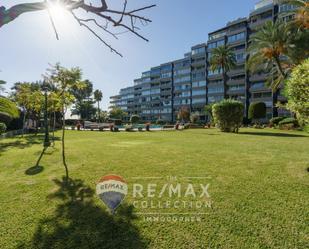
<point>257,110</point>
<point>275,121</point>
<point>117,121</point>
<point>288,123</point>
<point>194,117</point>
<point>228,115</point>
<point>160,122</point>
<point>2,128</point>
<point>184,114</point>
<point>128,128</point>
<point>297,92</point>
<point>140,128</point>
<point>134,119</point>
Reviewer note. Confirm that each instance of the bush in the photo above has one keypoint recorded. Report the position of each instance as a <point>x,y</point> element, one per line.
<point>275,121</point>
<point>194,117</point>
<point>228,115</point>
<point>297,92</point>
<point>160,122</point>
<point>134,119</point>
<point>257,110</point>
<point>128,128</point>
<point>288,123</point>
<point>2,128</point>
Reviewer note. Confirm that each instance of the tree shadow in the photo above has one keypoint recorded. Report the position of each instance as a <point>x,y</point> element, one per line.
<point>271,134</point>
<point>22,142</point>
<point>34,170</point>
<point>79,223</point>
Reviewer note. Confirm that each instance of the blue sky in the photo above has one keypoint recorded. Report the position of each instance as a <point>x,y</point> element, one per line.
<point>28,44</point>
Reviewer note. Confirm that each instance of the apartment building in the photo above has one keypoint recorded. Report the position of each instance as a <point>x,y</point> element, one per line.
<point>160,92</point>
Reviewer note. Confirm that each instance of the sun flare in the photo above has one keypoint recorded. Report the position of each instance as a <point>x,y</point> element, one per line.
<point>58,11</point>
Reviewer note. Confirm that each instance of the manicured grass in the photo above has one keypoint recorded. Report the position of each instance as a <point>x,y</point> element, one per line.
<point>259,189</point>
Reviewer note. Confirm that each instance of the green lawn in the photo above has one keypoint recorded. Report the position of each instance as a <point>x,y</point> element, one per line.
<point>259,188</point>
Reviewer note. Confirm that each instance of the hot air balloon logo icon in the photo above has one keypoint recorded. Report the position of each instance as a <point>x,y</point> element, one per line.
<point>112,189</point>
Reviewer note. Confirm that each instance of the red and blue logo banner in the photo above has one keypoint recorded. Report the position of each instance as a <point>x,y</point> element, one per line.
<point>112,190</point>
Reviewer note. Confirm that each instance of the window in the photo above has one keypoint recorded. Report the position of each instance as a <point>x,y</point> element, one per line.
<point>182,79</point>
<point>198,50</point>
<point>240,57</point>
<point>166,67</point>
<point>166,75</point>
<point>185,94</point>
<point>198,92</point>
<point>147,92</point>
<point>236,37</point>
<point>216,44</point>
<point>237,88</point>
<point>198,75</point>
<point>210,72</point>
<point>199,83</point>
<point>182,71</point>
<point>257,85</point>
<point>215,89</point>
<point>155,91</point>
<point>212,99</point>
<point>217,35</point>
<point>199,100</point>
<point>286,7</point>
<point>185,63</point>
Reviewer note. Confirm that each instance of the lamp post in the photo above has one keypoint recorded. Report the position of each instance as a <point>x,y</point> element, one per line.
<point>46,138</point>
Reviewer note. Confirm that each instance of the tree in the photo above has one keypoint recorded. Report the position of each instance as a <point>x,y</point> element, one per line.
<point>223,60</point>
<point>65,80</point>
<point>8,110</point>
<point>297,92</point>
<point>184,114</point>
<point>117,113</point>
<point>194,117</point>
<point>269,49</point>
<point>98,95</point>
<point>135,119</point>
<point>257,110</point>
<point>83,103</point>
<point>94,14</point>
<point>2,83</point>
<point>208,110</point>
<point>29,97</point>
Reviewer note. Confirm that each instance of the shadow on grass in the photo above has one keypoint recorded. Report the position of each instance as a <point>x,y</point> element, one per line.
<point>79,223</point>
<point>22,142</point>
<point>271,134</point>
<point>34,170</point>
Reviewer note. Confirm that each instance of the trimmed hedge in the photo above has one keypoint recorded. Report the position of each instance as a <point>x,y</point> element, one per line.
<point>276,120</point>
<point>228,115</point>
<point>288,123</point>
<point>134,119</point>
<point>257,110</point>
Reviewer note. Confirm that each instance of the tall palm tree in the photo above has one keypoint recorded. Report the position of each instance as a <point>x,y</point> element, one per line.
<point>98,95</point>
<point>269,49</point>
<point>223,60</point>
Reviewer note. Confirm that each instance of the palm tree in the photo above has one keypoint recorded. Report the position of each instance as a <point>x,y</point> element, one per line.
<point>223,60</point>
<point>98,97</point>
<point>269,51</point>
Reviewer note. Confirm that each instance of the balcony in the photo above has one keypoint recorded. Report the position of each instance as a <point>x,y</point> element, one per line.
<point>258,77</point>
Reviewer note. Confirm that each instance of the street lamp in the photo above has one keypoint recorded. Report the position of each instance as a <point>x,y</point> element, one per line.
<point>46,138</point>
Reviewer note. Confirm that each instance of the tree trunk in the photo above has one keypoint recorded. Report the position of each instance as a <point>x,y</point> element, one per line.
<point>99,111</point>
<point>224,84</point>
<point>63,147</point>
<point>24,121</point>
<point>274,107</point>
<point>54,126</point>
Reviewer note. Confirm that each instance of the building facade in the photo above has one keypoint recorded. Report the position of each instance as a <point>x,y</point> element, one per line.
<point>189,82</point>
